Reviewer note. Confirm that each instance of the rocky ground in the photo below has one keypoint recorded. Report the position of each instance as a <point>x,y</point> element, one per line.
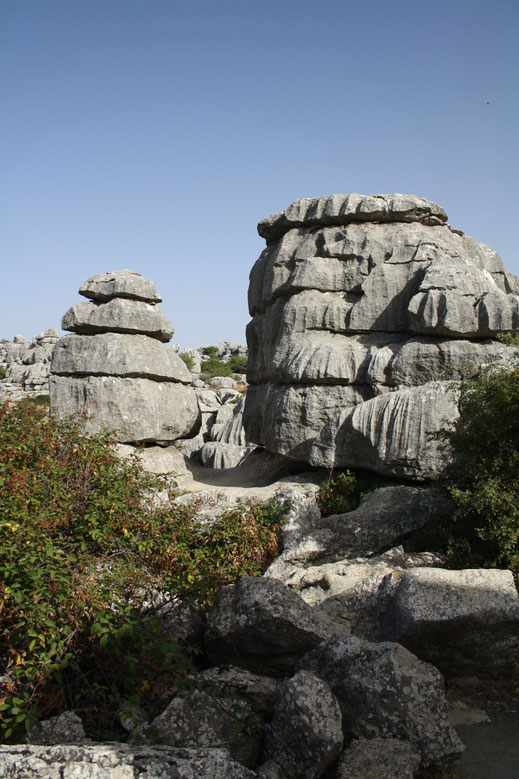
<point>306,652</point>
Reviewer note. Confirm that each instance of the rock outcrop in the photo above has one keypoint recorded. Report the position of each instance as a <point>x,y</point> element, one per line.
<point>364,311</point>
<point>26,365</point>
<point>116,370</point>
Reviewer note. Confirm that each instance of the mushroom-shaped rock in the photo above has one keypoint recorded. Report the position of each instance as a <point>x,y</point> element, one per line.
<point>115,370</point>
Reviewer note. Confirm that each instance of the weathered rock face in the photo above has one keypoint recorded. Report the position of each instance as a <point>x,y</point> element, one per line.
<point>364,309</point>
<point>116,370</point>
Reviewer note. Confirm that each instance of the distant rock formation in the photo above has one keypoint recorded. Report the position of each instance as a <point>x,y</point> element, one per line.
<point>26,365</point>
<point>115,367</point>
<point>365,308</point>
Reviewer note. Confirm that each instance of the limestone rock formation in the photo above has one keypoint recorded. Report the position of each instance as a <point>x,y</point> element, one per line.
<point>27,365</point>
<point>364,311</point>
<point>116,369</point>
<point>260,622</point>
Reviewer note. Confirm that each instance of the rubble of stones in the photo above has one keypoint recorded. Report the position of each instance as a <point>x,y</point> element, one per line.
<point>334,663</point>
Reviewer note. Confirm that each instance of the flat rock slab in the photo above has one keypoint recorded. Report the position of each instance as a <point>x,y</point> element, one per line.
<point>117,354</point>
<point>118,316</point>
<point>136,409</point>
<point>343,209</point>
<point>120,284</point>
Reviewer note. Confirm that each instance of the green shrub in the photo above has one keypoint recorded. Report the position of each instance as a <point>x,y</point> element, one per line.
<point>484,480</point>
<point>215,367</point>
<point>3,371</point>
<point>188,360</point>
<point>39,400</point>
<point>238,364</point>
<point>338,495</point>
<point>80,544</point>
<point>211,351</point>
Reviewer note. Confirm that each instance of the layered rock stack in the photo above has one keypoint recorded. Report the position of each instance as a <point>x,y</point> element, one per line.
<point>365,308</point>
<point>116,368</point>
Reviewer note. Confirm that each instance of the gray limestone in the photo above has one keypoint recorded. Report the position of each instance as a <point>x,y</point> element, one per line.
<point>118,315</point>
<point>117,354</point>
<point>305,734</point>
<point>114,371</point>
<point>358,298</point>
<point>135,409</point>
<point>378,758</point>
<point>199,719</point>
<point>384,691</point>
<point>260,622</point>
<point>120,284</point>
<point>117,761</point>
<point>464,622</point>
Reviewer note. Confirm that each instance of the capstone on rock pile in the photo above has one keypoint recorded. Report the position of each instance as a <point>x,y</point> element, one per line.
<point>115,367</point>
<point>365,308</point>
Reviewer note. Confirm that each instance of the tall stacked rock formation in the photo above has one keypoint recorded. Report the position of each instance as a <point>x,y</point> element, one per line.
<point>116,369</point>
<point>364,309</point>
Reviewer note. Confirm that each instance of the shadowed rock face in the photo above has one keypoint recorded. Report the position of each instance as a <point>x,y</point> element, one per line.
<point>364,309</point>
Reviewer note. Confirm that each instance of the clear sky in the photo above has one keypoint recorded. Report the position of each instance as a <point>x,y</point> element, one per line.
<point>154,134</point>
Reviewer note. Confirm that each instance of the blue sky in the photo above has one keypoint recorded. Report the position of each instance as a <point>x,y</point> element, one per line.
<point>155,134</point>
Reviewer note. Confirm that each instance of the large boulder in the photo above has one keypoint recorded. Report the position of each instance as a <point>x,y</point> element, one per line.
<point>378,758</point>
<point>115,354</point>
<point>199,719</point>
<point>305,734</point>
<point>464,622</point>
<point>354,300</point>
<point>136,409</point>
<point>261,624</point>
<point>384,691</point>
